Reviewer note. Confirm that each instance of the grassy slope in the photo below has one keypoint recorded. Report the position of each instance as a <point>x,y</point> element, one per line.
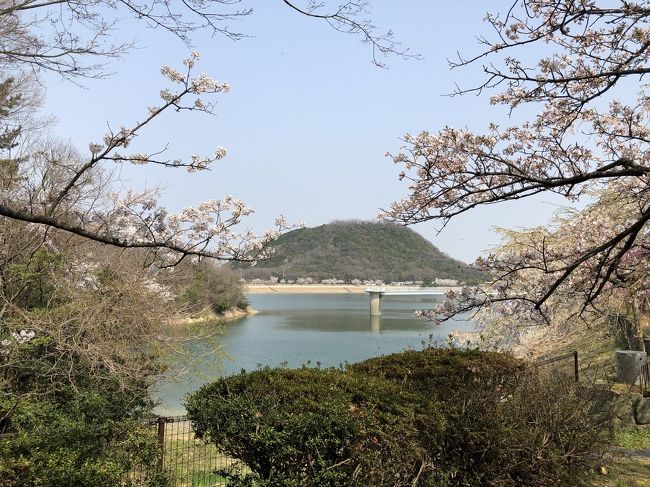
<point>358,250</point>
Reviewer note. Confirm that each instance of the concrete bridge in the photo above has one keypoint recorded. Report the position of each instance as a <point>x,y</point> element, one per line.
<point>377,294</point>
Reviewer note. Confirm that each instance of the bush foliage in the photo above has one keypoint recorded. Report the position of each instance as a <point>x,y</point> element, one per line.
<point>507,423</point>
<point>435,417</point>
<point>312,427</point>
<point>77,356</point>
<point>81,433</point>
<point>198,286</point>
<point>77,442</point>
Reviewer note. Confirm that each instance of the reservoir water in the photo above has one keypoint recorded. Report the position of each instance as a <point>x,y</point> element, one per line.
<point>294,329</point>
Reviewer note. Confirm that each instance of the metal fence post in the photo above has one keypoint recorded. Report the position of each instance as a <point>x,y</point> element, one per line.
<point>575,365</point>
<point>161,441</point>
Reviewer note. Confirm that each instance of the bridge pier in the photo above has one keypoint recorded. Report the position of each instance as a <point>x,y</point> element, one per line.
<point>376,295</point>
<point>375,324</point>
<point>375,303</point>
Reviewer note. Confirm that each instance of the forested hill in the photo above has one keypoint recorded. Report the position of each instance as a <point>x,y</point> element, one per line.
<point>351,250</point>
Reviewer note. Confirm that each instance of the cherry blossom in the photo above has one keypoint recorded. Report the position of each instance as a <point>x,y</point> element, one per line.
<point>589,139</point>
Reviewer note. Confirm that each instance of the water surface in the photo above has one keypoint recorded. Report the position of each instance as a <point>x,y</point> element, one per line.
<point>325,329</point>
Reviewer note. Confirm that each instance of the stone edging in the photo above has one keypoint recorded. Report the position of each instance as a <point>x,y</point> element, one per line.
<point>632,409</point>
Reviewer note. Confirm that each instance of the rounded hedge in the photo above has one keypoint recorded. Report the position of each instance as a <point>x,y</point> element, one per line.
<point>317,427</point>
<point>436,417</point>
<point>446,372</point>
<point>507,423</point>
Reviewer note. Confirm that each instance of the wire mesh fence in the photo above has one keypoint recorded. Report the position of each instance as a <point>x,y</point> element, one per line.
<point>598,374</point>
<point>644,380</point>
<point>184,460</point>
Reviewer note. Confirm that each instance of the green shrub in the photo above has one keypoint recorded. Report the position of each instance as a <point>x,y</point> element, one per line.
<point>56,432</point>
<point>446,372</point>
<point>507,423</point>
<point>75,443</point>
<point>313,427</point>
<point>435,417</point>
<point>203,285</point>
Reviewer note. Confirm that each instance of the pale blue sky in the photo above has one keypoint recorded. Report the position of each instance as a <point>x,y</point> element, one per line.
<point>309,118</point>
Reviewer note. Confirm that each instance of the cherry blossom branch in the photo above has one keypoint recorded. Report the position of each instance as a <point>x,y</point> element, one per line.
<point>198,86</point>
<point>163,232</point>
<point>62,190</point>
<point>588,138</point>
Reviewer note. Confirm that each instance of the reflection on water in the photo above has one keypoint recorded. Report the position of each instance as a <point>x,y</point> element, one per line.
<point>330,329</point>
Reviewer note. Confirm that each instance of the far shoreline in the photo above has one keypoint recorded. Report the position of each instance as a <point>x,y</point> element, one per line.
<point>330,288</point>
